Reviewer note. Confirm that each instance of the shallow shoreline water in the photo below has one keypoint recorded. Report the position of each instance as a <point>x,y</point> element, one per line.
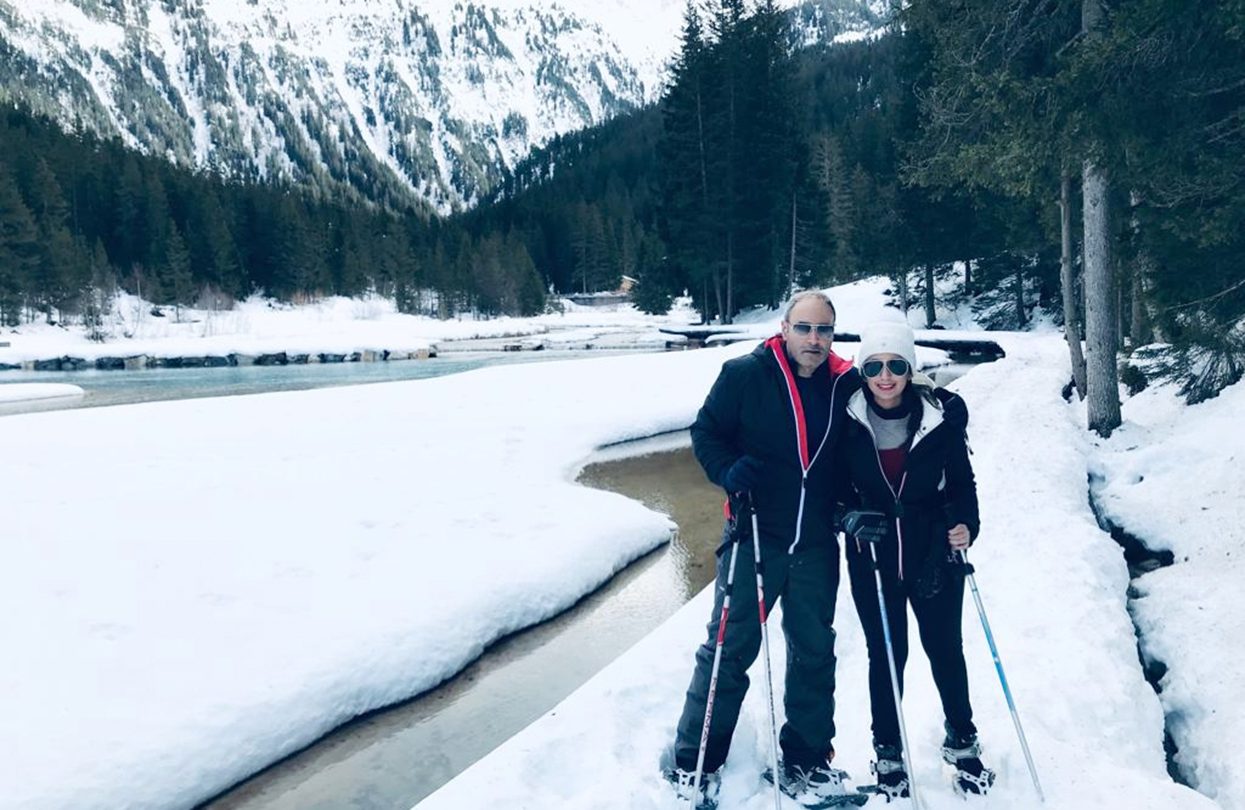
<point>391,759</point>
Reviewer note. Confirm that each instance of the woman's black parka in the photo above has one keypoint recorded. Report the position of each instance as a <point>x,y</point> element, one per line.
<point>937,489</point>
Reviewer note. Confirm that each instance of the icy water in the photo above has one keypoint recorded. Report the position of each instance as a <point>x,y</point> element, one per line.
<point>149,385</point>
<point>391,759</point>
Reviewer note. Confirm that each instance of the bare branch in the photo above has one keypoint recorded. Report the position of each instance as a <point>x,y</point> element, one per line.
<point>1208,298</point>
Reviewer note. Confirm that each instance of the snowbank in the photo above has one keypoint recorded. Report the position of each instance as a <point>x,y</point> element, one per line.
<point>27,392</point>
<point>1175,478</point>
<point>198,588</point>
<point>333,325</point>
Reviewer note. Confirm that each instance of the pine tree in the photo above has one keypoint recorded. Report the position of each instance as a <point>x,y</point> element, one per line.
<point>653,293</point>
<point>98,294</point>
<point>1101,338</point>
<point>176,281</point>
<point>727,116</point>
<point>56,276</point>
<point>525,295</point>
<point>212,246</point>
<point>729,155</point>
<point>834,181</point>
<point>686,223</point>
<point>127,242</point>
<point>770,160</point>
<point>19,249</point>
<point>294,257</point>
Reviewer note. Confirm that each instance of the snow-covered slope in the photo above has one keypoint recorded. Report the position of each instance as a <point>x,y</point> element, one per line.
<point>385,99</point>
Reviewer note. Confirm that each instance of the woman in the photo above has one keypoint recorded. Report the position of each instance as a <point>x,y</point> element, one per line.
<point>907,456</point>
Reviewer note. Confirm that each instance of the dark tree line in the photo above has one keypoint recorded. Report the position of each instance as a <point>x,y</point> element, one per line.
<point>1123,123</point>
<point>81,216</point>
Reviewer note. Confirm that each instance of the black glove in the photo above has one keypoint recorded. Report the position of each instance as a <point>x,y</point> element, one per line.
<point>743,475</point>
<point>934,573</point>
<point>836,518</point>
<point>954,409</point>
<point>865,525</point>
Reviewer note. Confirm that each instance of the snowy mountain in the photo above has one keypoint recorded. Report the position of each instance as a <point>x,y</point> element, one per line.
<point>380,99</point>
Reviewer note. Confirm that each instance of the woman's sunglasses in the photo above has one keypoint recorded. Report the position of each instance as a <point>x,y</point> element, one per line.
<point>825,330</point>
<point>898,367</point>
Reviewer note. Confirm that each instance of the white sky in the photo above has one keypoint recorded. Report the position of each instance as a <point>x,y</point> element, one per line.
<point>196,588</point>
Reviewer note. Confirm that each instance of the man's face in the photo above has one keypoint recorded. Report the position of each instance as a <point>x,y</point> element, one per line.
<point>808,333</point>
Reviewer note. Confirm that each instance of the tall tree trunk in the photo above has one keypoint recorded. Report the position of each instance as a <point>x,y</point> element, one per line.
<point>1101,346</point>
<point>1122,306</point>
<point>707,224</point>
<point>903,291</point>
<point>1139,325</point>
<point>791,264</point>
<point>1018,289</point>
<point>930,315</point>
<point>968,277</point>
<point>1101,338</point>
<point>1067,282</point>
<point>1141,318</point>
<point>731,205</point>
<point>717,295</point>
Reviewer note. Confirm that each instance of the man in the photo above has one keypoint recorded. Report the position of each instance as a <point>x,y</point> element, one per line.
<point>768,430</point>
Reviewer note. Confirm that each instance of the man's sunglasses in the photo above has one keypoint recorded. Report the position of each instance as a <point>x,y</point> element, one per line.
<point>824,330</point>
<point>872,368</point>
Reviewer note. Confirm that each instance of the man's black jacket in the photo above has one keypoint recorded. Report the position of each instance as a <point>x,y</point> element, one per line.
<point>754,409</point>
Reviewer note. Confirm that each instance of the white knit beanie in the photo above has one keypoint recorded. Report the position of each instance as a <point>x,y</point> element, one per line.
<point>887,337</point>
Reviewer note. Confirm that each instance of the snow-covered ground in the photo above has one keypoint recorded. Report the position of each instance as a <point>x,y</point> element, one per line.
<point>212,584</point>
<point>30,392</point>
<point>196,588</point>
<point>333,325</point>
<point>1175,478</point>
<point>1055,588</point>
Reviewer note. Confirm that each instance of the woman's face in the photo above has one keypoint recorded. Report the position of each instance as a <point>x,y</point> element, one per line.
<point>887,386</point>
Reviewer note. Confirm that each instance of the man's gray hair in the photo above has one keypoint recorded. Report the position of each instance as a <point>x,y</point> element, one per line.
<point>804,295</point>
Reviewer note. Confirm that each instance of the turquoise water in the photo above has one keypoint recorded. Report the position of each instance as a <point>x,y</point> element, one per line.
<point>150,385</point>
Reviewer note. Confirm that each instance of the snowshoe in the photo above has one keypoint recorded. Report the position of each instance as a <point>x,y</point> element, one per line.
<point>684,783</point>
<point>892,777</point>
<point>971,776</point>
<point>815,787</point>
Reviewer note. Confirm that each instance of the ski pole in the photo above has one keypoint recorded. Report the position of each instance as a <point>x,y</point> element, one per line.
<point>717,663</point>
<point>998,665</point>
<point>890,660</point>
<point>769,680</point>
